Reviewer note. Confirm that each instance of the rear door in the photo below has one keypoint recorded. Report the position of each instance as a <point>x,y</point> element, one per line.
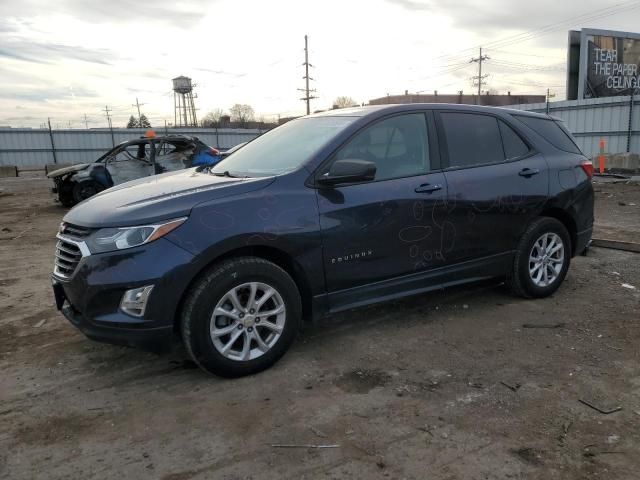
<point>496,180</point>
<point>388,227</point>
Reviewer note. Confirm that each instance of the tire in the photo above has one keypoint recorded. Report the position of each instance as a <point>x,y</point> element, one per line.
<point>85,189</point>
<point>66,199</point>
<point>205,336</point>
<point>527,276</point>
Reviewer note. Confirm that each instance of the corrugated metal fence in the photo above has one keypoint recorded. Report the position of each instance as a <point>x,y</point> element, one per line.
<point>34,148</point>
<point>589,120</point>
<point>613,119</point>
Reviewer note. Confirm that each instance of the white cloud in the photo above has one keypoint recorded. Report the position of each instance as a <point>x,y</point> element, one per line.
<point>70,57</point>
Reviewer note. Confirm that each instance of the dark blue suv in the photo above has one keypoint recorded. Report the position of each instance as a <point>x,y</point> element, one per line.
<point>325,213</point>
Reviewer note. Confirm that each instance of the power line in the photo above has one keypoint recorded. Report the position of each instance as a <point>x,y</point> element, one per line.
<point>307,97</point>
<point>521,54</point>
<point>596,14</point>
<point>546,29</point>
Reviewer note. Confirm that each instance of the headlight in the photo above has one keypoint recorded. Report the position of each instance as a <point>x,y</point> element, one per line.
<point>119,238</point>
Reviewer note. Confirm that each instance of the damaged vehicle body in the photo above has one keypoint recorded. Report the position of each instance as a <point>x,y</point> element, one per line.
<point>130,160</point>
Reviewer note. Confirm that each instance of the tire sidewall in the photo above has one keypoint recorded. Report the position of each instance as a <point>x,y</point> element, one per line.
<point>79,186</point>
<point>211,289</point>
<point>547,225</point>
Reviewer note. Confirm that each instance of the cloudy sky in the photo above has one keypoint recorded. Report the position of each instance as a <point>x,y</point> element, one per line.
<point>68,58</point>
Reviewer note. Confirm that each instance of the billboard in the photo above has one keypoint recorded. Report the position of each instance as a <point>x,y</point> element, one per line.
<point>603,63</point>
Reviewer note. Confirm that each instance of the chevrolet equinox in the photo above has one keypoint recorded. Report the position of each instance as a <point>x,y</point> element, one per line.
<point>325,213</point>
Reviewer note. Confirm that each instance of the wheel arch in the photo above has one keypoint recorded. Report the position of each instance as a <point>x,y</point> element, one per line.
<point>567,220</point>
<point>272,254</point>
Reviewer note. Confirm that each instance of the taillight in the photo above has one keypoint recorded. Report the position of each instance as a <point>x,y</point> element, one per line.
<point>587,166</point>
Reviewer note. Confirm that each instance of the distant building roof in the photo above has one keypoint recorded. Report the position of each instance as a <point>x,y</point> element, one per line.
<point>488,99</point>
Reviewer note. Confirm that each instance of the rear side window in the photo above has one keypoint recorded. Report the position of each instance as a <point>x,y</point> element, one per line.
<point>514,146</point>
<point>472,139</point>
<point>552,132</point>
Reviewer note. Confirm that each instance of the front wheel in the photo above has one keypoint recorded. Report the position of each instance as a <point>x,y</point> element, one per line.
<point>240,317</point>
<point>541,260</point>
<point>85,189</point>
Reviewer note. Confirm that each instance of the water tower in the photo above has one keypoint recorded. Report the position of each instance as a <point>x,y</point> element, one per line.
<point>184,108</point>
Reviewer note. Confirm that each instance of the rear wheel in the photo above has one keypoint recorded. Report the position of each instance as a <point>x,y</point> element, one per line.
<point>542,259</point>
<point>241,317</point>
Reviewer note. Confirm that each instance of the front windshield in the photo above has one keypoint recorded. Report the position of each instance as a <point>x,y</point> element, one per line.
<point>284,148</point>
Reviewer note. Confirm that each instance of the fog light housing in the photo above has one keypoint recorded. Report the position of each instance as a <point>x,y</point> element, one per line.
<point>134,301</point>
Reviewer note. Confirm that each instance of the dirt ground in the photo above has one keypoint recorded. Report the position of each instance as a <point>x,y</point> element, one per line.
<point>470,383</point>
<point>617,209</point>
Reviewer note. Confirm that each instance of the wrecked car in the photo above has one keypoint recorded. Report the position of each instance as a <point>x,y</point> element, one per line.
<point>142,157</point>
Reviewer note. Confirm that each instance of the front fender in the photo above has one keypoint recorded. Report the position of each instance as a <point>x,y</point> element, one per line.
<point>96,172</point>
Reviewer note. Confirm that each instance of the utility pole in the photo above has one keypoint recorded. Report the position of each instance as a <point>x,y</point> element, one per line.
<point>106,109</point>
<point>307,97</point>
<point>549,97</point>
<point>630,124</point>
<point>481,58</point>
<point>86,121</point>
<point>138,104</point>
<point>53,145</point>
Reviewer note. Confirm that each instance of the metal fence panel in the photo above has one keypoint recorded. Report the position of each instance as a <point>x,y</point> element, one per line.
<point>31,148</point>
<point>598,118</point>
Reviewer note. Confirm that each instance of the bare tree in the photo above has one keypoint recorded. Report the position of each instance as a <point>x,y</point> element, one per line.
<point>212,119</point>
<point>241,113</point>
<point>344,102</point>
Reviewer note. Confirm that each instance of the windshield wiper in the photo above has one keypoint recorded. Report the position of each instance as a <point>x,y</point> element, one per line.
<point>226,173</point>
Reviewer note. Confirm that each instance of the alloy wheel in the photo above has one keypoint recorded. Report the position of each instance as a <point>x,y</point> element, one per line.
<point>247,321</point>
<point>546,259</point>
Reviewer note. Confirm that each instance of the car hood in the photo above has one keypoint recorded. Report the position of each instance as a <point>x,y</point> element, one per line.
<point>157,198</point>
<point>65,170</point>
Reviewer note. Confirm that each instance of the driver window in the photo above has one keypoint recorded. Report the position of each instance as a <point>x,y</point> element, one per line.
<point>398,146</point>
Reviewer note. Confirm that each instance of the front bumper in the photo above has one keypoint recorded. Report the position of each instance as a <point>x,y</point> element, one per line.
<point>90,298</point>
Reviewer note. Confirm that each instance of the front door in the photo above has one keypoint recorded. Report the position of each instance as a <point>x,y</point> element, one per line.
<point>391,226</point>
<point>131,162</point>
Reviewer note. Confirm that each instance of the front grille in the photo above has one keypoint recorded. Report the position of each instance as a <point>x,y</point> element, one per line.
<point>68,256</point>
<point>74,231</point>
<point>70,249</point>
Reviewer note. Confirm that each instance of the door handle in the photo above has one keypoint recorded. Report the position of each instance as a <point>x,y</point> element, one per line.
<point>528,172</point>
<point>428,188</point>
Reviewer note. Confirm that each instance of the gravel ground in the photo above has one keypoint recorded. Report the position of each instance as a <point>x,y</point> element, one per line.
<point>469,383</point>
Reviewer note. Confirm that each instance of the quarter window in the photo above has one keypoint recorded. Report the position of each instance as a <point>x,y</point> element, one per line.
<point>553,132</point>
<point>514,146</point>
<point>398,146</point>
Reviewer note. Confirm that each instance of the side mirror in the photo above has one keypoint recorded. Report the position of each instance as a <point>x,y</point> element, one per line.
<point>348,171</point>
